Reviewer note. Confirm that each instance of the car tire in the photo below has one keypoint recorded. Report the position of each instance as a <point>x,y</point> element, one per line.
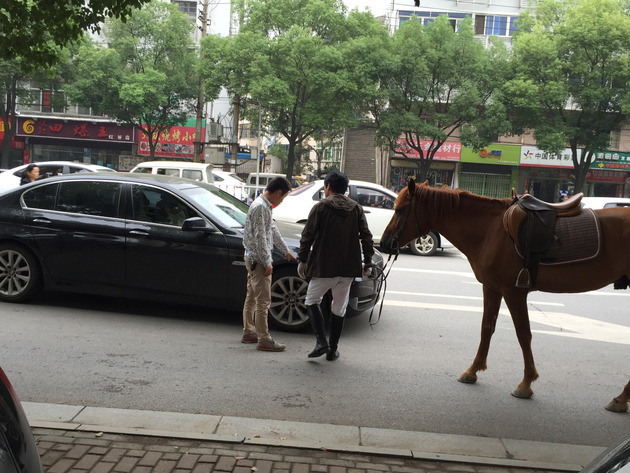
<point>425,245</point>
<point>288,293</point>
<point>20,275</point>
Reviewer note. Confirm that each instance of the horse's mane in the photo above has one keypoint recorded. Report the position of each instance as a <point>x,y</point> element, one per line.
<point>444,199</point>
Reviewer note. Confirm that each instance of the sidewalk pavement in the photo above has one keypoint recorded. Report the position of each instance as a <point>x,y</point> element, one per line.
<point>74,439</point>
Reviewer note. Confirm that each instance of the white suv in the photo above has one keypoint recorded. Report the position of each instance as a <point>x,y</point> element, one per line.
<point>187,170</point>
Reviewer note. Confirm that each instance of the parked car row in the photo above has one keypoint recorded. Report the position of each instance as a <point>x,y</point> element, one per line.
<point>143,236</point>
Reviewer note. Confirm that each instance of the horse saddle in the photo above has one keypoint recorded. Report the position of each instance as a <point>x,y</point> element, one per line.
<point>545,233</point>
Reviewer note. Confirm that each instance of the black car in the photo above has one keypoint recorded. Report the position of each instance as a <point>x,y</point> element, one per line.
<point>18,453</point>
<point>143,236</point>
<point>615,458</point>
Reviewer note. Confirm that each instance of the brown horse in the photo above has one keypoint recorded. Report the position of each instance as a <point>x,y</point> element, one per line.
<point>474,224</point>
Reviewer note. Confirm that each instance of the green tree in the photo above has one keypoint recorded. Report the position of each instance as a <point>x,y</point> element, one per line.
<point>35,31</point>
<point>439,82</point>
<point>146,78</point>
<point>14,88</point>
<point>298,74</point>
<point>571,66</point>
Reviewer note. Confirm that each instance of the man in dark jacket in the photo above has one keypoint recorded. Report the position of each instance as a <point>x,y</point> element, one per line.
<point>333,239</point>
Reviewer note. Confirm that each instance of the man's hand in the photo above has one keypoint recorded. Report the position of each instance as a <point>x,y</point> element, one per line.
<point>302,269</point>
<point>268,270</point>
<point>368,270</point>
<point>289,257</point>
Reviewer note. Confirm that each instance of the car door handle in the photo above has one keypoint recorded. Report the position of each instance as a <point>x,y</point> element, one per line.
<point>139,233</point>
<point>41,220</point>
<point>365,211</point>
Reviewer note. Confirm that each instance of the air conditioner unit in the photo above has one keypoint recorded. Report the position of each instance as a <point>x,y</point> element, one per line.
<point>215,131</point>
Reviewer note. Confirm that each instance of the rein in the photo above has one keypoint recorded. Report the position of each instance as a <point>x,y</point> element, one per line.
<point>381,275</point>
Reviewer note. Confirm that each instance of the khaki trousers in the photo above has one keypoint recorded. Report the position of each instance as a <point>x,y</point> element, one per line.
<point>257,302</point>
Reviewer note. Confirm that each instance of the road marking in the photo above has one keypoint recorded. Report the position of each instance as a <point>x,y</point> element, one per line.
<point>435,271</point>
<point>472,298</point>
<point>567,325</point>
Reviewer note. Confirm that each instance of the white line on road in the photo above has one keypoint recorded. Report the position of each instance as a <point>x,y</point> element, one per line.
<point>568,325</point>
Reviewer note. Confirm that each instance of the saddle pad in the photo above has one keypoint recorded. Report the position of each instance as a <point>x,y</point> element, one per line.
<point>576,238</point>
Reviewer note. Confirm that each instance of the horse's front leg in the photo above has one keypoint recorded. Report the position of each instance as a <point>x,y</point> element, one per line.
<point>491,305</point>
<point>517,304</point>
<point>620,403</point>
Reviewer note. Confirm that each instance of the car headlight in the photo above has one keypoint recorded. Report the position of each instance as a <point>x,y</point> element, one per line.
<point>377,259</point>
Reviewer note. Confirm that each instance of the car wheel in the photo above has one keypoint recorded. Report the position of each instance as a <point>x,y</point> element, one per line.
<point>426,245</point>
<point>20,277</point>
<point>288,293</point>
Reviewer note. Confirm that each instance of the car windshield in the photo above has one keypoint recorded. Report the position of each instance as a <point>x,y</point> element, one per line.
<point>225,209</point>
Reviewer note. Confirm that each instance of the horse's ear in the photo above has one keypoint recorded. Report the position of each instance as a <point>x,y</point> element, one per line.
<point>411,186</point>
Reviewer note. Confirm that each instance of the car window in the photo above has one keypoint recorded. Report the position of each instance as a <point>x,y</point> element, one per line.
<point>374,198</point>
<point>143,170</point>
<point>42,197</point>
<point>157,206</point>
<point>90,198</point>
<point>168,172</point>
<point>302,188</point>
<point>193,174</point>
<point>218,178</point>
<point>49,170</point>
<point>224,208</point>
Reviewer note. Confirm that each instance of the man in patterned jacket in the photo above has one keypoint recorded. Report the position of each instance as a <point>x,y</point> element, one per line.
<point>260,236</point>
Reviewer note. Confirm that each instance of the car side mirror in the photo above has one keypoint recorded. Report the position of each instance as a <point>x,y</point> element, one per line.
<point>197,224</point>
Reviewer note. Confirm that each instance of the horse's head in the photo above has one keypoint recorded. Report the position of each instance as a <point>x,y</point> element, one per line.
<point>404,227</point>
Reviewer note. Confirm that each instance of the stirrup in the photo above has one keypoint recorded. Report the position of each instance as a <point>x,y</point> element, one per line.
<point>523,274</point>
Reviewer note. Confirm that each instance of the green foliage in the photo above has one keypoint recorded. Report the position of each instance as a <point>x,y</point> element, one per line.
<point>571,70</point>
<point>439,82</point>
<point>147,77</point>
<point>291,60</point>
<point>37,30</point>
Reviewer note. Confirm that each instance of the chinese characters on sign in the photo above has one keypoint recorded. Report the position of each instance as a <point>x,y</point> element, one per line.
<point>73,129</point>
<point>611,160</point>
<point>449,151</point>
<point>532,156</point>
<point>178,142</point>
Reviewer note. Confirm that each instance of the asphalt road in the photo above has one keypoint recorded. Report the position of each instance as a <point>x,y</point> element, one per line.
<point>399,374</point>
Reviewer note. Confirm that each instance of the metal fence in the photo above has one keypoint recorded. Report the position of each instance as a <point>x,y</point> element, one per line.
<point>491,185</point>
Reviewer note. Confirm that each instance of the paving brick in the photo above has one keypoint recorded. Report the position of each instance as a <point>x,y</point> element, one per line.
<point>126,464</point>
<point>102,467</point>
<point>172,456</point>
<point>114,455</point>
<point>203,468</point>
<point>164,466</point>
<point>263,466</point>
<point>373,466</point>
<point>77,451</point>
<point>143,469</point>
<point>150,459</point>
<point>51,457</point>
<point>337,469</point>
<point>225,463</point>
<point>242,469</point>
<point>300,468</point>
<point>187,461</point>
<point>62,466</point>
<point>87,462</point>
<point>208,458</point>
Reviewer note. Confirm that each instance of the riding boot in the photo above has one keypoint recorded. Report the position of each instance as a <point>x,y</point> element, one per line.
<point>317,322</point>
<point>336,326</point>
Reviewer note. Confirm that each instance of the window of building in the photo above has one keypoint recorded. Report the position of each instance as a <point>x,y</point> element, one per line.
<point>187,7</point>
<point>495,25</point>
<point>426,17</point>
<point>615,138</point>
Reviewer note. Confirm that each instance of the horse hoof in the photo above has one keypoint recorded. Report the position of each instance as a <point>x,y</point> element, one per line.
<point>467,378</point>
<point>616,406</point>
<point>522,393</point>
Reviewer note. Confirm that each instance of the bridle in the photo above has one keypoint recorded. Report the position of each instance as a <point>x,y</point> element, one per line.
<point>381,275</point>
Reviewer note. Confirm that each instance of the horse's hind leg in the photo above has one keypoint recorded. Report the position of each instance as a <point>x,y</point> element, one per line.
<point>517,303</point>
<point>620,403</point>
<point>491,305</point>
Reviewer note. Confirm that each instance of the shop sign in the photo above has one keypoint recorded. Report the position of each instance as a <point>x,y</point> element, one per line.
<point>75,130</point>
<point>533,156</point>
<point>178,142</point>
<point>615,177</point>
<point>493,154</point>
<point>611,160</point>
<point>449,151</point>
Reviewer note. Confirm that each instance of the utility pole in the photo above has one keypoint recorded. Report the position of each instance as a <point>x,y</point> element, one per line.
<point>202,96</point>
<point>236,110</point>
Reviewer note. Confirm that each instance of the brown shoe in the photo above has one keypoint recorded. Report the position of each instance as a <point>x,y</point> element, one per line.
<point>270,345</point>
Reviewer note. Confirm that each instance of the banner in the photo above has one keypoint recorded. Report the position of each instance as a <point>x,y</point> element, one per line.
<point>493,154</point>
<point>178,142</point>
<point>449,151</point>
